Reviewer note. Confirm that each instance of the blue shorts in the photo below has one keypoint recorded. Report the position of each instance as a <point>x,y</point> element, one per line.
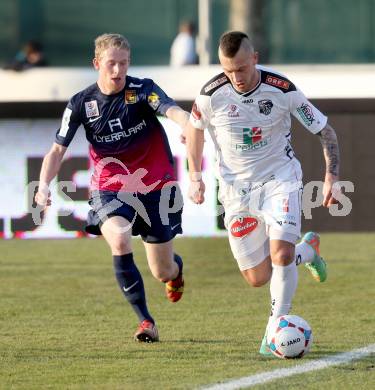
<point>155,216</point>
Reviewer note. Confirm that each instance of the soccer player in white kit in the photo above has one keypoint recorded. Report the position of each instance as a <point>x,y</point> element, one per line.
<point>246,110</point>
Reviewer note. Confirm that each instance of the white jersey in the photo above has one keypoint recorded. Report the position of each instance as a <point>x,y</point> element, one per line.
<point>251,131</point>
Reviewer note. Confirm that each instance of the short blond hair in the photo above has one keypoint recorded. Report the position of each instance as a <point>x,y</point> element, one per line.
<point>105,41</point>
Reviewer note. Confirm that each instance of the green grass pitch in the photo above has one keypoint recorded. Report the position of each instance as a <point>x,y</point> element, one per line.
<point>64,323</point>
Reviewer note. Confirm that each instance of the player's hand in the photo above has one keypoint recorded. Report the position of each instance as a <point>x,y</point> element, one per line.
<point>43,199</point>
<point>331,190</point>
<point>196,191</point>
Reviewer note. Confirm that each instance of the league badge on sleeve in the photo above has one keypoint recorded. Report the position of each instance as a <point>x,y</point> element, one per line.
<point>154,100</point>
<point>91,108</point>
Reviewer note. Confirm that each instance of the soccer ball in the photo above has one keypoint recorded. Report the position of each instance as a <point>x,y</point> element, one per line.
<point>290,337</point>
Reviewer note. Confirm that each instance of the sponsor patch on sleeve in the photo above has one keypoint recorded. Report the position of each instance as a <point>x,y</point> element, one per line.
<point>215,84</point>
<point>276,82</point>
<point>306,113</point>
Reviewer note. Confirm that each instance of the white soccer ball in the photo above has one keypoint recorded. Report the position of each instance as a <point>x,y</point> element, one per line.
<point>290,337</point>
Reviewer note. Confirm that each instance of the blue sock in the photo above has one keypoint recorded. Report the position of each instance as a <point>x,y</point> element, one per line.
<point>179,262</point>
<point>131,284</point>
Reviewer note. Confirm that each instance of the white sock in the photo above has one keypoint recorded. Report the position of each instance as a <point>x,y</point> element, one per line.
<point>283,286</point>
<point>304,253</point>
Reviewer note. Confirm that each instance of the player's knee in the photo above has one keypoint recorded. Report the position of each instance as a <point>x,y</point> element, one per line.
<point>257,280</point>
<point>282,257</point>
<point>119,246</point>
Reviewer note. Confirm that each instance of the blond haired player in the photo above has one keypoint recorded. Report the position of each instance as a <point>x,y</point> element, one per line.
<point>133,184</point>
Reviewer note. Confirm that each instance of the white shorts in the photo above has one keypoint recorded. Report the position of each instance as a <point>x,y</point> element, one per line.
<point>258,212</point>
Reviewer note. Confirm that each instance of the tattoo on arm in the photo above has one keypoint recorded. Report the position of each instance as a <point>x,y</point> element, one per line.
<point>330,145</point>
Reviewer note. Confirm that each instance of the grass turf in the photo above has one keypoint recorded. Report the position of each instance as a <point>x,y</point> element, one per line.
<point>65,325</point>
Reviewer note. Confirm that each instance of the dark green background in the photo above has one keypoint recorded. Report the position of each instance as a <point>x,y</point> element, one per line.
<point>295,31</point>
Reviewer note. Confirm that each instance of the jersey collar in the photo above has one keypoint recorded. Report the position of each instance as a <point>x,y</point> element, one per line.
<point>248,93</point>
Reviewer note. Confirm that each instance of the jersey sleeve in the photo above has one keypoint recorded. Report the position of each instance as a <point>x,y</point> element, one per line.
<point>201,112</point>
<point>306,113</point>
<point>69,125</point>
<point>158,100</point>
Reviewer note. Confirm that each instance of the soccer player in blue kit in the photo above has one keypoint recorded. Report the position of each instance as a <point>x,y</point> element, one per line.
<point>133,188</point>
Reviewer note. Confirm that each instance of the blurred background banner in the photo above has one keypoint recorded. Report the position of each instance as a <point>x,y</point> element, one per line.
<point>326,48</point>
<point>27,141</point>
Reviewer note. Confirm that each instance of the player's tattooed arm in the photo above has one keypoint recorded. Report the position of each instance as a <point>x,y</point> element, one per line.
<point>331,152</point>
<point>331,189</point>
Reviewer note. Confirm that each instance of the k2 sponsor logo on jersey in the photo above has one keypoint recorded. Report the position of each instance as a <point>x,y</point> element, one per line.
<point>154,100</point>
<point>197,115</point>
<point>234,111</point>
<point>247,101</point>
<point>306,113</point>
<point>130,96</point>
<point>91,108</point>
<point>265,106</point>
<point>243,226</point>
<point>275,81</point>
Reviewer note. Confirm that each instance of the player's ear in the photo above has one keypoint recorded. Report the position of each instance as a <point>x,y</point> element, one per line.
<point>255,57</point>
<point>95,62</point>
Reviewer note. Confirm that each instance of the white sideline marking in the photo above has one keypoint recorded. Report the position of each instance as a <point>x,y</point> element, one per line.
<point>319,364</point>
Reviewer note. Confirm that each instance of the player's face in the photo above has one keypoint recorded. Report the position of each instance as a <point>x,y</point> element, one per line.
<point>112,66</point>
<point>241,69</point>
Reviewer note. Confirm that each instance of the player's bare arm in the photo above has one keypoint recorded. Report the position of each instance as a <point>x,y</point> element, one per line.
<point>195,143</point>
<point>331,153</point>
<point>181,117</point>
<point>50,167</point>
